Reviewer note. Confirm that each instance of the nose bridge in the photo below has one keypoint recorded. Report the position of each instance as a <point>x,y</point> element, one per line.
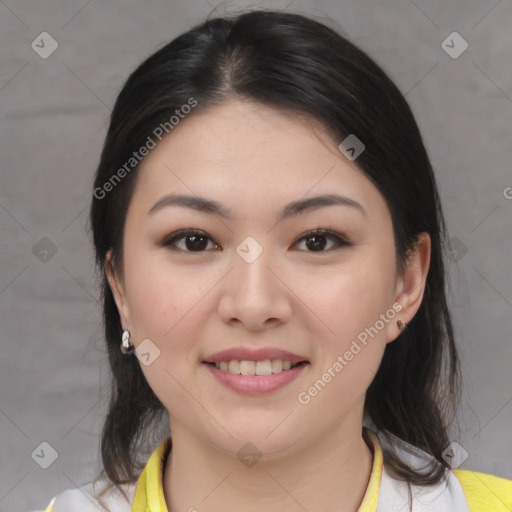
<point>254,294</point>
<point>251,266</point>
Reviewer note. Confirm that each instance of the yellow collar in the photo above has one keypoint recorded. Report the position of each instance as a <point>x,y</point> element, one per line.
<point>149,494</point>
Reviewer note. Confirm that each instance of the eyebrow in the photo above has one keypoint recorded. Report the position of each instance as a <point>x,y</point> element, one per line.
<point>291,209</point>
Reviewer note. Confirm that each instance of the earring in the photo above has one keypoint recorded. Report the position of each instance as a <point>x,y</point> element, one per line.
<point>126,346</point>
<point>401,325</point>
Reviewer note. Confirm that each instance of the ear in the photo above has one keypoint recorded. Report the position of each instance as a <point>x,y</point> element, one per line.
<point>411,285</point>
<point>118,291</point>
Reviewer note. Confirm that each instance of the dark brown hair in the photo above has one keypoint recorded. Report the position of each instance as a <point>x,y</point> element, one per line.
<point>296,64</point>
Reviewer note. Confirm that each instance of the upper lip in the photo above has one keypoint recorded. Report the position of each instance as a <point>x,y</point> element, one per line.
<point>247,354</point>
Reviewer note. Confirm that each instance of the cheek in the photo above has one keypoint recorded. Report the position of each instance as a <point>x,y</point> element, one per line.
<point>160,295</point>
<point>153,304</point>
<point>355,304</point>
<point>169,306</point>
<point>166,309</point>
<point>354,297</point>
<point>350,352</point>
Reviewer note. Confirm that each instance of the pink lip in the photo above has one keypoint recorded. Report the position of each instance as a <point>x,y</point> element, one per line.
<point>261,354</point>
<point>256,384</point>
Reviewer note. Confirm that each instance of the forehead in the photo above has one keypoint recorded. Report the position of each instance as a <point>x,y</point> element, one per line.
<point>246,133</point>
<point>245,150</point>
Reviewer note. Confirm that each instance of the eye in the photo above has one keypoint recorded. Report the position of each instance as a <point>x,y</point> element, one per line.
<point>197,241</point>
<point>194,240</point>
<point>316,240</point>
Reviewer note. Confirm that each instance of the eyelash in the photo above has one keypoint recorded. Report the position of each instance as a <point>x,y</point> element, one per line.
<point>339,239</point>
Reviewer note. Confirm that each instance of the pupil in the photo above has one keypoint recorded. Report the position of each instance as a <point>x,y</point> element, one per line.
<point>316,245</point>
<point>195,245</point>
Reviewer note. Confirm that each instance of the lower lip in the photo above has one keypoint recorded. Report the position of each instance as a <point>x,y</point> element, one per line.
<point>256,384</point>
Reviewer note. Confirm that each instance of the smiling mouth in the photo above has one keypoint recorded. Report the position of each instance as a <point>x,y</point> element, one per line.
<point>256,368</point>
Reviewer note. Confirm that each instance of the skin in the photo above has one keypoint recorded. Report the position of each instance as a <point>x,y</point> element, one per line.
<point>254,160</point>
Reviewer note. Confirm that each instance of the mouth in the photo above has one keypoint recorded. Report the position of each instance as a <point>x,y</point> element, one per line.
<point>256,368</point>
<point>253,378</point>
<point>260,362</point>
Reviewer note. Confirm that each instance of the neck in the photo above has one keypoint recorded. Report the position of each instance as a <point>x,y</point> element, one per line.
<point>333,474</point>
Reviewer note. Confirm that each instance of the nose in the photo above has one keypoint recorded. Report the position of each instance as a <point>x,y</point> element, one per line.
<point>255,295</point>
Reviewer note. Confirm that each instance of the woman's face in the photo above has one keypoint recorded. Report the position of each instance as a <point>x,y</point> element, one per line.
<point>254,279</point>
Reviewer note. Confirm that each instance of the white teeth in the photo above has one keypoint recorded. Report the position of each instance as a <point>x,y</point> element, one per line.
<point>234,367</point>
<point>277,365</point>
<point>266,367</point>
<point>247,367</point>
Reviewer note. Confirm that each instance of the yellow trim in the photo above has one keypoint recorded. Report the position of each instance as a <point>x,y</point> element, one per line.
<point>485,492</point>
<point>371,496</point>
<point>149,494</point>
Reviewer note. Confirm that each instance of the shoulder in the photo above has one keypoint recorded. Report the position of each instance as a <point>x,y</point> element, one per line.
<point>485,492</point>
<point>459,490</point>
<point>83,499</point>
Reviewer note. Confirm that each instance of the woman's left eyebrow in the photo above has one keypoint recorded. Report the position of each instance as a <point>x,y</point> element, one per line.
<point>291,209</point>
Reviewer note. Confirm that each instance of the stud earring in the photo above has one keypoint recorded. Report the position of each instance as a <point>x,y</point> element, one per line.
<point>401,325</point>
<point>126,346</point>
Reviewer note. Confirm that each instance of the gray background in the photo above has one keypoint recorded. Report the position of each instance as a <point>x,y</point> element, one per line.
<point>54,113</point>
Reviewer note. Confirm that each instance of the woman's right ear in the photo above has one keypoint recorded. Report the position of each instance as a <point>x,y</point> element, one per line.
<point>117,288</point>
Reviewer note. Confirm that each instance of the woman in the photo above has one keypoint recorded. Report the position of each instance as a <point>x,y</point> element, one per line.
<point>269,237</point>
